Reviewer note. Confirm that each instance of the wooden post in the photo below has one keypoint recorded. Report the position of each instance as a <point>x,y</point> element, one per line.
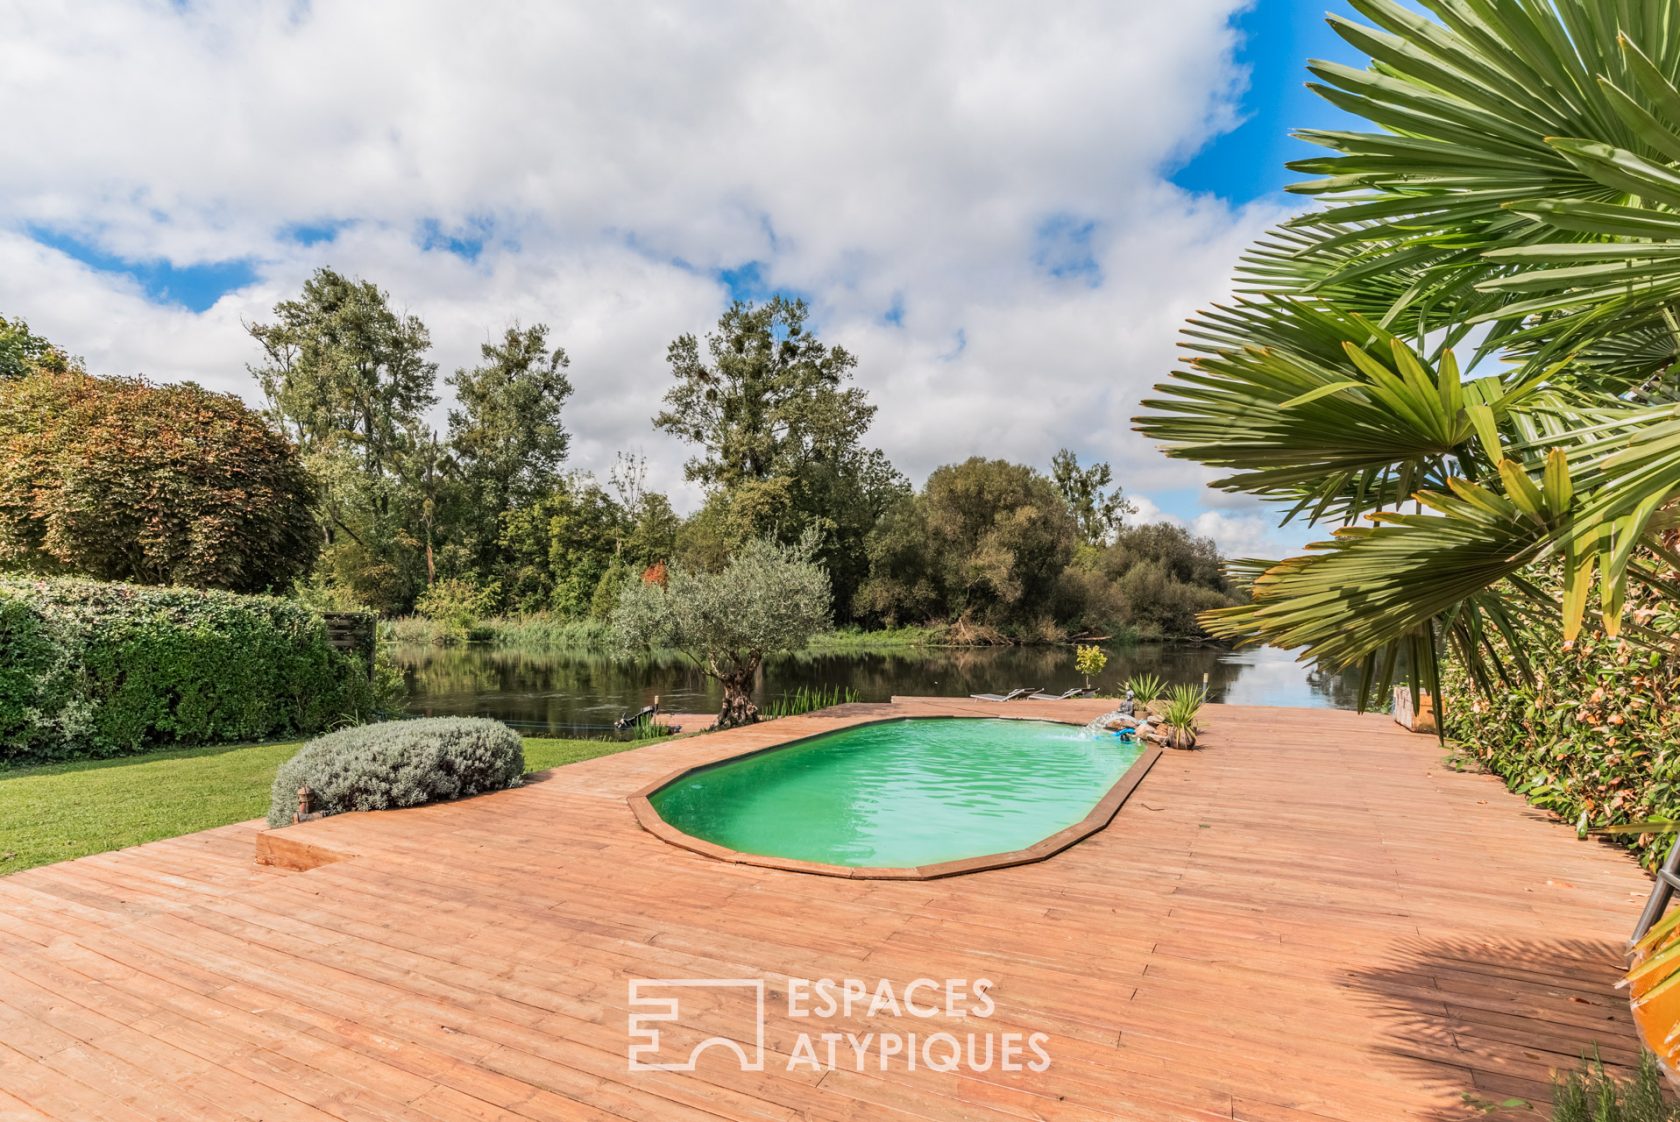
<point>354,633</point>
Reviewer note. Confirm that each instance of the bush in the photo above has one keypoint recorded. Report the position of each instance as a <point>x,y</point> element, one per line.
<point>399,763</point>
<point>1590,1094</point>
<point>455,604</point>
<point>117,479</point>
<point>1595,738</point>
<point>89,669</point>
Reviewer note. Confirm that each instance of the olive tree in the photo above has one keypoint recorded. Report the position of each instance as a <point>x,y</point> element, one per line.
<point>769,598</point>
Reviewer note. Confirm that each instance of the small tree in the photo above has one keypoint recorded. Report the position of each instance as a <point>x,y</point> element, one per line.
<point>1089,661</point>
<point>769,598</point>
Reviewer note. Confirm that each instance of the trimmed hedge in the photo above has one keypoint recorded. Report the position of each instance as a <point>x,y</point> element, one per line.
<point>93,669</point>
<point>399,763</point>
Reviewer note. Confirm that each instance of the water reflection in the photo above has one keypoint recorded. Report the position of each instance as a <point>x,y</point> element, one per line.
<point>561,691</point>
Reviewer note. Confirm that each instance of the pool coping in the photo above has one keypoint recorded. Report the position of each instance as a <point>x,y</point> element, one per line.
<point>1100,816</point>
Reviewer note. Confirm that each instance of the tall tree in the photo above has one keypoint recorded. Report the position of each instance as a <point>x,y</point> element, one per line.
<point>348,377</point>
<point>507,437</point>
<point>507,433</point>
<point>1098,510</point>
<point>772,397</point>
<point>341,365</point>
<point>779,429</point>
<point>986,539</point>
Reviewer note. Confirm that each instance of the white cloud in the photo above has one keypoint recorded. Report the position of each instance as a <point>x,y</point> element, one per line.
<point>1250,532</point>
<point>871,156</point>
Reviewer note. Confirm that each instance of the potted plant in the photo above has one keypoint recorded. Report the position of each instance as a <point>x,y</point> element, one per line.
<point>1179,719</point>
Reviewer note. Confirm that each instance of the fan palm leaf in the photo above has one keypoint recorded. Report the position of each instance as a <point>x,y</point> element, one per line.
<point>1518,200</point>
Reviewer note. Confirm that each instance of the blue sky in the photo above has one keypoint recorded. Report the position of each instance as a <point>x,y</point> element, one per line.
<point>1278,37</point>
<point>994,210</point>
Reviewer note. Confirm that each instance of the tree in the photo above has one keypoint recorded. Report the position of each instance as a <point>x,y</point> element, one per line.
<point>768,599</point>
<point>1000,534</point>
<point>348,378</point>
<point>1520,185</point>
<point>985,539</point>
<point>507,437</point>
<point>341,365</point>
<point>904,585</point>
<point>779,429</point>
<point>23,352</point>
<point>1151,581</point>
<point>560,547</point>
<point>118,479</point>
<point>1098,511</point>
<point>772,397</point>
<point>1089,661</point>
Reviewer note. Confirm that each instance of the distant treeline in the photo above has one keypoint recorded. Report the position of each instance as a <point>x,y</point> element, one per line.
<point>363,504</point>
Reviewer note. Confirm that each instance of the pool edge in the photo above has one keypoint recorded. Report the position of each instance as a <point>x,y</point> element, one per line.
<point>1100,816</point>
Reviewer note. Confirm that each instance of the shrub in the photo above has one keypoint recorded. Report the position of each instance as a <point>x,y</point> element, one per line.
<point>1594,737</point>
<point>117,479</point>
<point>399,763</point>
<point>89,669</point>
<point>1183,704</point>
<point>1591,1094</point>
<point>455,604</point>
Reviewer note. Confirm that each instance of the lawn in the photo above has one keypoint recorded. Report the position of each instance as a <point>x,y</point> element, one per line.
<point>58,811</point>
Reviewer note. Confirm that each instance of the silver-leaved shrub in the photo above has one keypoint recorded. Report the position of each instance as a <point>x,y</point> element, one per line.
<point>399,763</point>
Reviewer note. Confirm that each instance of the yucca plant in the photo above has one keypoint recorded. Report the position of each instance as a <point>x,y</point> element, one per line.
<point>1463,363</point>
<point>1145,688</point>
<point>1183,704</point>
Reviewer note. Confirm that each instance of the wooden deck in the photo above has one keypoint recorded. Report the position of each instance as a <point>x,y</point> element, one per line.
<point>1311,919</point>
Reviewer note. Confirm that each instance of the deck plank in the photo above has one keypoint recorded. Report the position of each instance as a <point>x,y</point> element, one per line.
<point>1309,920</point>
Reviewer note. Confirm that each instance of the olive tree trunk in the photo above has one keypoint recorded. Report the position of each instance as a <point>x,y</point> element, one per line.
<point>738,707</point>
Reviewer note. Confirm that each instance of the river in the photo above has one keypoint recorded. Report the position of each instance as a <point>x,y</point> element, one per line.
<point>570,691</point>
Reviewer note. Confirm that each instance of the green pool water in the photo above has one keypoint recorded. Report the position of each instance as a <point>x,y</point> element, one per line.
<point>902,793</point>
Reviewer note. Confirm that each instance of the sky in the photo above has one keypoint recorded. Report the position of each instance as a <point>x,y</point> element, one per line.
<point>1005,211</point>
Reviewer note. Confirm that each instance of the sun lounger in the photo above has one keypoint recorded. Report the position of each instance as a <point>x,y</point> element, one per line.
<point>1012,695</point>
<point>1077,691</point>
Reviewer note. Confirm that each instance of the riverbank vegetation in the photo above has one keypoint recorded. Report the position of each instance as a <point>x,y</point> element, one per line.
<point>341,494</point>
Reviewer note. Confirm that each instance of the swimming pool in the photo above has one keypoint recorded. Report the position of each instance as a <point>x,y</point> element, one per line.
<point>907,794</point>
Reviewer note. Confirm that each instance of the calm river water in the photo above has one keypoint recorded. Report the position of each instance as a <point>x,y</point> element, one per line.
<point>559,692</point>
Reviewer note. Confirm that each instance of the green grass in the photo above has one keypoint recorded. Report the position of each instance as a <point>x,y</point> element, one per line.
<point>58,811</point>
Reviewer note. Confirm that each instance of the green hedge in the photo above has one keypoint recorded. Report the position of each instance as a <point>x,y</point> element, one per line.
<point>399,763</point>
<point>1595,739</point>
<point>91,669</point>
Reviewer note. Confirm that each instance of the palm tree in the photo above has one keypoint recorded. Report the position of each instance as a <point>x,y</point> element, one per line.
<point>1464,361</point>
